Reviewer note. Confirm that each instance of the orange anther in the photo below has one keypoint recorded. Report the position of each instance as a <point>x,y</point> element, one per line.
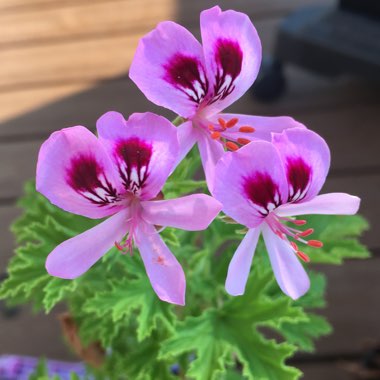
<point>303,256</point>
<point>231,123</point>
<point>243,141</point>
<point>315,243</point>
<point>246,129</point>
<point>222,123</point>
<point>299,222</point>
<point>215,135</point>
<point>307,232</point>
<point>119,246</point>
<point>231,146</point>
<point>210,127</point>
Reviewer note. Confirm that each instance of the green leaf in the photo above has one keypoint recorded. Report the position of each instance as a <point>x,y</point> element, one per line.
<point>339,235</point>
<point>216,336</point>
<point>126,296</point>
<point>304,333</point>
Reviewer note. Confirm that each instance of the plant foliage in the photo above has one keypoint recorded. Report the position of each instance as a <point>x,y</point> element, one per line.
<point>215,336</point>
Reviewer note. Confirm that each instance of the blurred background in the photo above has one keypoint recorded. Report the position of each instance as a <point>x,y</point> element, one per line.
<point>65,62</point>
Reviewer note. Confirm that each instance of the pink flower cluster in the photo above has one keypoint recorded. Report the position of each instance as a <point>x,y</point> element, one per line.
<point>261,171</point>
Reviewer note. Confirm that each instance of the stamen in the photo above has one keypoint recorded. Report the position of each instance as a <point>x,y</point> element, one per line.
<point>231,123</point>
<point>215,135</point>
<point>222,123</point>
<point>211,128</point>
<point>231,146</point>
<point>307,232</point>
<point>303,256</point>
<point>119,246</point>
<point>294,246</point>
<point>246,129</point>
<point>243,141</point>
<point>315,243</point>
<point>299,222</point>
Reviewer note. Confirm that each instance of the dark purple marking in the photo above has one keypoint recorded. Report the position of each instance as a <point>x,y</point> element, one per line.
<point>229,60</point>
<point>263,192</point>
<point>187,74</point>
<point>133,156</point>
<point>86,176</point>
<point>299,175</point>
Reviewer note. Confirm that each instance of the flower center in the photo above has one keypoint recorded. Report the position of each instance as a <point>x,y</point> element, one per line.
<point>222,132</point>
<point>286,232</point>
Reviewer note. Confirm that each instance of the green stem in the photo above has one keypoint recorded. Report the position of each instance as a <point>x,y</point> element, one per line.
<point>178,121</point>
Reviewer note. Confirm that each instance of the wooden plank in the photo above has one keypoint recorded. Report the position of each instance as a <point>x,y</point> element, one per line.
<point>187,7</point>
<point>324,370</point>
<point>70,21</point>
<point>353,307</point>
<point>20,102</point>
<point>78,60</point>
<point>306,92</point>
<point>44,339</point>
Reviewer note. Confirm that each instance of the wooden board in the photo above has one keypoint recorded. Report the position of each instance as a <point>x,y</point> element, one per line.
<point>43,340</point>
<point>58,106</point>
<point>187,7</point>
<point>82,19</point>
<point>82,60</point>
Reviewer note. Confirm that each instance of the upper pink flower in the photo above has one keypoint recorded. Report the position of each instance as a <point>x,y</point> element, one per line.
<point>263,186</point>
<point>120,173</point>
<point>175,71</point>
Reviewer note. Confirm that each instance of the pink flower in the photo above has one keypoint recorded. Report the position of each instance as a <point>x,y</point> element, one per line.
<point>119,174</point>
<point>197,82</point>
<point>263,186</point>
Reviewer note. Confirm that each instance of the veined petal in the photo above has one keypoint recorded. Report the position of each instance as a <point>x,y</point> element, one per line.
<point>250,183</point>
<point>306,158</point>
<point>169,69</point>
<point>192,213</point>
<point>187,137</point>
<point>332,203</point>
<point>163,269</point>
<point>75,256</point>
<point>144,149</point>
<point>75,173</point>
<point>290,274</point>
<point>240,265</point>
<point>211,151</point>
<point>262,127</point>
<point>232,52</point>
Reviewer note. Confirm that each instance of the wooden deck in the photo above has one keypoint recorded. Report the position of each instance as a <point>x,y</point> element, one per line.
<point>64,62</point>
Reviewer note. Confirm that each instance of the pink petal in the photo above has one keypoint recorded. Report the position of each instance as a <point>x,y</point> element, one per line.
<point>289,272</point>
<point>211,151</point>
<point>333,203</point>
<point>240,265</point>
<point>232,52</point>
<point>75,256</point>
<point>306,157</point>
<point>164,271</point>
<point>187,137</point>
<point>75,173</point>
<point>264,126</point>
<point>250,182</point>
<point>193,212</point>
<point>144,149</point>
<point>168,68</point>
